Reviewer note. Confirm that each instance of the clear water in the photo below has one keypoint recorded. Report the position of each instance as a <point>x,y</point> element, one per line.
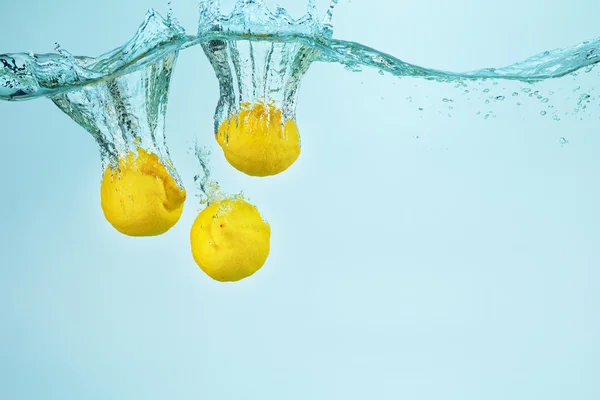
<point>209,190</point>
<point>121,97</point>
<point>125,111</point>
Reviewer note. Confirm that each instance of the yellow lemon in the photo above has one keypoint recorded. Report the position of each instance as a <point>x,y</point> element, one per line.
<point>230,240</point>
<point>258,142</point>
<point>141,198</point>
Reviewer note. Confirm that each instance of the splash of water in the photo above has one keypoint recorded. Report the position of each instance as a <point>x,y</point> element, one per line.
<point>209,190</point>
<point>550,64</point>
<point>263,71</point>
<point>258,55</point>
<point>125,112</point>
<point>24,76</point>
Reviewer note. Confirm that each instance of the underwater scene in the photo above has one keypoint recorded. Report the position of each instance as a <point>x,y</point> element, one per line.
<point>315,199</point>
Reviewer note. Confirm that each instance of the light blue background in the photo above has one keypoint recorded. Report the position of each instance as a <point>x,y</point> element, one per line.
<point>463,265</point>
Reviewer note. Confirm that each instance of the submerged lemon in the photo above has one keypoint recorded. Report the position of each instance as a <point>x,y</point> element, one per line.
<point>230,241</point>
<point>141,198</point>
<point>258,142</point>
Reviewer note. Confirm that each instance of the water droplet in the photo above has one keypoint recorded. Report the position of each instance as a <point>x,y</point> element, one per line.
<point>420,108</point>
<point>500,98</point>
<point>563,140</point>
<point>170,10</point>
<point>542,113</point>
<point>526,90</point>
<point>545,100</point>
<point>381,72</point>
<point>486,90</point>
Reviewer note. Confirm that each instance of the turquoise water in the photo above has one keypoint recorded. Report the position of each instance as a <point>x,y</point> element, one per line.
<point>257,54</point>
<point>26,76</point>
<point>121,97</point>
<point>462,265</point>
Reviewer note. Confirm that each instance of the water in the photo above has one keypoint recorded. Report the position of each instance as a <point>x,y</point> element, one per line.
<point>209,190</point>
<point>25,76</point>
<point>124,112</point>
<point>452,258</point>
<point>249,71</point>
<point>261,55</point>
